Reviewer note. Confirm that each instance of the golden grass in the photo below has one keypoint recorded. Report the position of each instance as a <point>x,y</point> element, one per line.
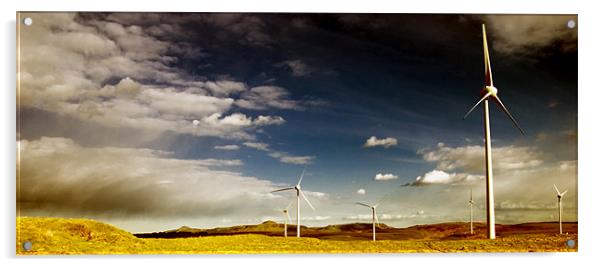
<point>82,236</point>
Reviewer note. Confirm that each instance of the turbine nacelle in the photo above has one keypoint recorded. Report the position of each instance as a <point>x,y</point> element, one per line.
<point>558,194</point>
<point>489,90</point>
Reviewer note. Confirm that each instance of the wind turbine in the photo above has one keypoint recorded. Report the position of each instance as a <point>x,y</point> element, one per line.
<point>287,219</point>
<point>374,217</point>
<point>559,195</point>
<point>299,193</point>
<point>471,203</point>
<point>490,92</point>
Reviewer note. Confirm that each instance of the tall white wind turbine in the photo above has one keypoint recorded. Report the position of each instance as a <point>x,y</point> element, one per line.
<point>559,195</point>
<point>471,203</point>
<point>490,92</point>
<point>374,217</point>
<point>297,188</point>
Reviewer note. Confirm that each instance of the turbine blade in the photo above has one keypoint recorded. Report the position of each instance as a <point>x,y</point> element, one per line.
<point>303,173</point>
<point>562,194</point>
<point>557,191</point>
<point>283,189</point>
<point>488,76</point>
<point>471,195</point>
<point>289,204</point>
<point>288,218</point>
<point>306,200</point>
<point>363,204</point>
<point>381,201</point>
<point>473,107</point>
<point>499,102</point>
<point>376,218</point>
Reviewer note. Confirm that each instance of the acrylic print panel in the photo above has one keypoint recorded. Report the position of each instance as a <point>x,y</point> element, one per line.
<point>198,133</point>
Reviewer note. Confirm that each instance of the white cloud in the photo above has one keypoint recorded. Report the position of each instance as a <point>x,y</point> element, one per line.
<point>435,177</point>
<point>258,146</point>
<point>183,104</point>
<point>298,160</point>
<point>127,87</point>
<point>225,87</point>
<point>268,120</point>
<point>219,162</point>
<point>385,177</point>
<point>386,142</point>
<point>236,119</point>
<point>441,177</point>
<point>361,191</point>
<point>227,147</point>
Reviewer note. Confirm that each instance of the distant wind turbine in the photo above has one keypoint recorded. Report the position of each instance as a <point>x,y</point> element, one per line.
<point>490,92</point>
<point>374,217</point>
<point>559,195</point>
<point>471,203</point>
<point>297,188</point>
<point>287,218</point>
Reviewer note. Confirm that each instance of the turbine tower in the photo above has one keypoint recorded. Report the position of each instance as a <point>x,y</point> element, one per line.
<point>487,93</point>
<point>374,217</point>
<point>471,203</point>
<point>297,188</point>
<point>559,195</point>
<point>287,219</point>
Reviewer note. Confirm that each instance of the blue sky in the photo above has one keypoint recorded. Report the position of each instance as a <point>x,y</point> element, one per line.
<point>135,107</point>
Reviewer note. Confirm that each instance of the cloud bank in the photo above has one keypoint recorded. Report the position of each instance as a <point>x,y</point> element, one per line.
<point>523,34</point>
<point>61,177</point>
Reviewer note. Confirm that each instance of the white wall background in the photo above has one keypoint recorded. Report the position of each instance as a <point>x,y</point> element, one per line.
<point>589,181</point>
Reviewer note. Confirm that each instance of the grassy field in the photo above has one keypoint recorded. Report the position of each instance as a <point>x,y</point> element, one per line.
<point>82,236</point>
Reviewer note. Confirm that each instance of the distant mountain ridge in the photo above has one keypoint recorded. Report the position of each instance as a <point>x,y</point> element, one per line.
<point>354,231</point>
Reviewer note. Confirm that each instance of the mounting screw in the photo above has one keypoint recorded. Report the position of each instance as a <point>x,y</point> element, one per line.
<point>27,245</point>
<point>570,243</point>
<point>571,24</point>
<point>27,21</point>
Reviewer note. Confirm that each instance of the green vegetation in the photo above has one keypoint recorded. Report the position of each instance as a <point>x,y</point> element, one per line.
<point>82,236</point>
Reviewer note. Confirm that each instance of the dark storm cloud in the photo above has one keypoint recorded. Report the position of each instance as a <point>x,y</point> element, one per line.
<point>58,176</point>
<point>528,34</point>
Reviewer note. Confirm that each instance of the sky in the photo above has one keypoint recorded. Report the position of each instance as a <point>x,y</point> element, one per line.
<point>151,121</point>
